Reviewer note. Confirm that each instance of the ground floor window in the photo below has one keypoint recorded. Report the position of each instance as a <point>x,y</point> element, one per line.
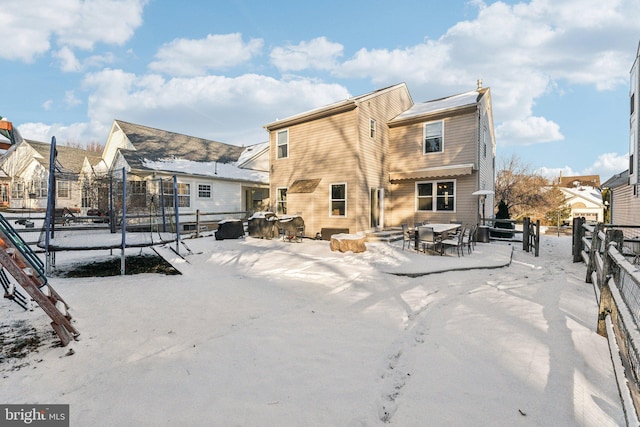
<point>435,196</point>
<point>204,191</point>
<point>137,194</point>
<point>4,193</point>
<point>87,193</point>
<point>39,188</point>
<point>17,190</point>
<point>338,199</point>
<point>63,189</point>
<point>184,194</point>
<point>281,202</point>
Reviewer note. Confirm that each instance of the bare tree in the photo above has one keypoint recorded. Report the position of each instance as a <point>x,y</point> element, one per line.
<point>521,190</point>
<point>93,146</point>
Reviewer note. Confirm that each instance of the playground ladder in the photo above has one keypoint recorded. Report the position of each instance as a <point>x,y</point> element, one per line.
<point>27,269</point>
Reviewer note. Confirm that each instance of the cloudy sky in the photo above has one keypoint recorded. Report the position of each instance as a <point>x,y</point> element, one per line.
<point>558,69</point>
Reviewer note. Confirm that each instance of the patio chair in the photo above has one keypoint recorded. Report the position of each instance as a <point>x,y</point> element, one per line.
<point>467,239</point>
<point>407,236</point>
<point>427,238</point>
<point>472,237</point>
<point>454,242</point>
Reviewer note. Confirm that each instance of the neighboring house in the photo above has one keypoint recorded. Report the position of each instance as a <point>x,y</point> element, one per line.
<point>585,200</point>
<point>579,181</point>
<point>212,177</point>
<point>622,210</point>
<point>378,160</point>
<point>624,202</point>
<point>24,172</point>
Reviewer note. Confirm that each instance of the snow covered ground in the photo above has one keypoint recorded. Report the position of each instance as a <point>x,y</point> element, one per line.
<point>267,333</point>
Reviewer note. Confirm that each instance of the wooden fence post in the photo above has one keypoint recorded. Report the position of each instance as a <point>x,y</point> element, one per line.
<point>525,233</point>
<point>197,223</point>
<point>595,248</point>
<point>606,304</point>
<point>577,233</point>
<point>537,238</point>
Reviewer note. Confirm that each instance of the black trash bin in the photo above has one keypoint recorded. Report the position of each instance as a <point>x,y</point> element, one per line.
<point>229,229</point>
<point>261,224</point>
<point>483,234</point>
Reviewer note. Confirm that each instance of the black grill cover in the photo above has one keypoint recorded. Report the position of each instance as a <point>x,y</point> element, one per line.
<point>229,229</point>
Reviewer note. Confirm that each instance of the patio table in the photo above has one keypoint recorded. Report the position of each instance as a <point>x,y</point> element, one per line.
<point>440,229</point>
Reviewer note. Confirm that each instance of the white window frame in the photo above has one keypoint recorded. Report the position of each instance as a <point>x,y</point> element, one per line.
<point>202,192</point>
<point>17,189</point>
<point>434,196</point>
<point>184,195</point>
<point>372,128</point>
<point>40,188</point>
<point>282,144</point>
<point>332,200</point>
<point>424,137</point>
<point>281,204</point>
<point>63,189</point>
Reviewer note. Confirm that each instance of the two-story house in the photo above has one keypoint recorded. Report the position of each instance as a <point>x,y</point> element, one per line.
<point>378,160</point>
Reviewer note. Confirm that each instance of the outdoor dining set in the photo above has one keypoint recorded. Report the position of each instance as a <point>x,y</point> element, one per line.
<point>438,238</point>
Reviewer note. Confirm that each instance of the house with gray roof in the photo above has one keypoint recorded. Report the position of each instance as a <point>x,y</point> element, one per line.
<point>217,179</point>
<point>24,173</point>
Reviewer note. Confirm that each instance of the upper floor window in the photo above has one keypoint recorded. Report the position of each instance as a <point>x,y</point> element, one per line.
<point>282,144</point>
<point>484,142</point>
<point>433,137</point>
<point>372,128</point>
<point>435,196</point>
<point>338,199</point>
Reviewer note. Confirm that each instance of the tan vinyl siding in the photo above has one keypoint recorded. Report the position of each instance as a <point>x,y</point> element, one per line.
<point>338,149</point>
<point>374,151</point>
<point>402,203</point>
<point>460,147</point>
<point>460,136</point>
<point>326,149</point>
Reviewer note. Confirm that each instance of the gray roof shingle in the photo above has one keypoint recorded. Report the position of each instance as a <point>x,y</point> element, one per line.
<point>156,144</point>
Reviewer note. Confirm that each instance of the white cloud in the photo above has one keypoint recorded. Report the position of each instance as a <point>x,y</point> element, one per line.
<point>188,57</point>
<point>522,51</point>
<point>227,109</point>
<point>70,99</point>
<point>531,130</point>
<point>553,173</point>
<point>318,53</point>
<point>27,31</point>
<point>606,165</point>
<point>67,59</point>
<point>77,132</point>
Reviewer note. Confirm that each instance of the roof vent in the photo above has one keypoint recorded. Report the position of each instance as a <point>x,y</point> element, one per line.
<point>479,84</point>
